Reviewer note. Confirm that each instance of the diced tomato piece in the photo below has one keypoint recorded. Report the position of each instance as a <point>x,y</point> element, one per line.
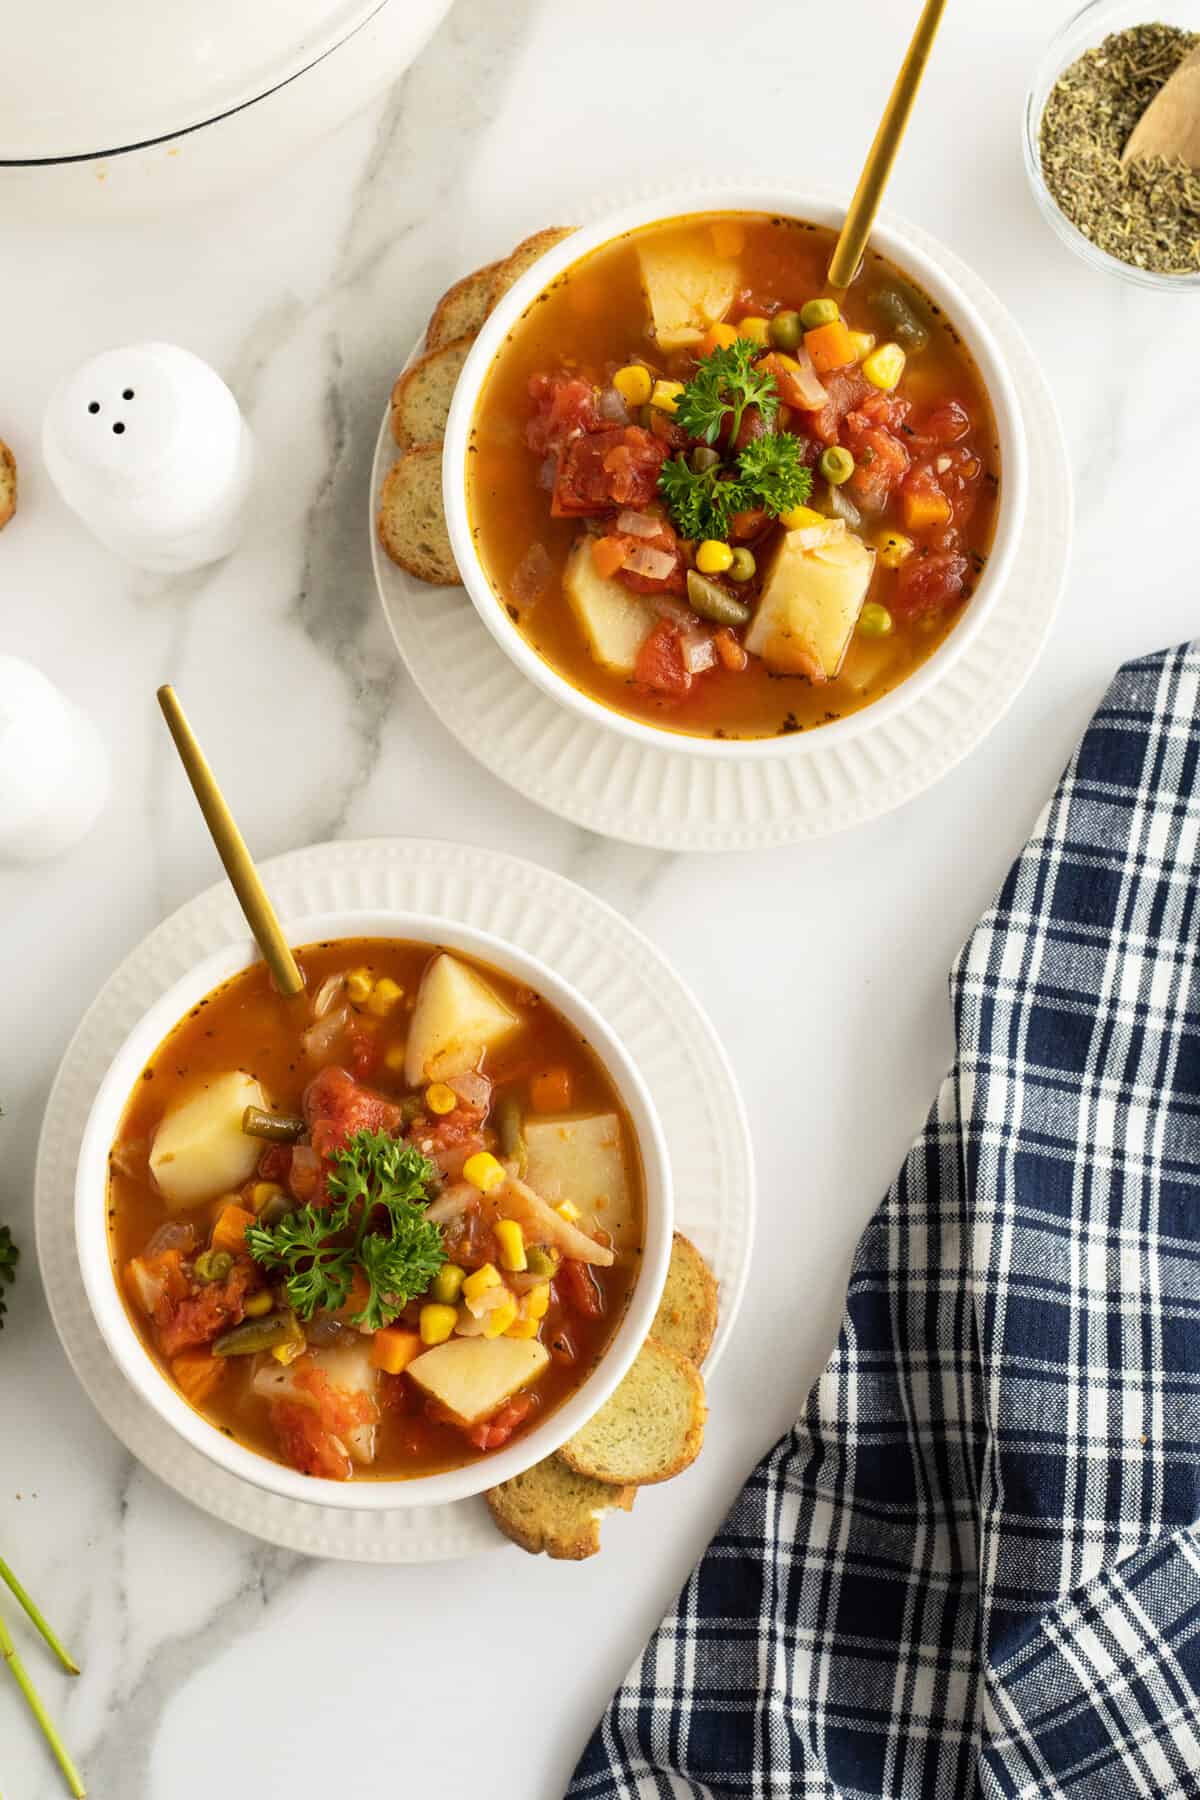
<point>275,1162</point>
<point>340,1105</point>
<point>664,540</point>
<point>790,391</point>
<point>945,424</point>
<point>337,1410</point>
<point>306,1444</point>
<point>748,524</point>
<point>365,1052</point>
<point>880,461</point>
<point>491,1433</point>
<point>577,1285</point>
<point>563,406</point>
<point>926,507</point>
<point>663,427</point>
<point>845,388</point>
<point>660,665</point>
<point>205,1314</point>
<point>604,469</point>
<point>888,410</point>
<point>929,581</point>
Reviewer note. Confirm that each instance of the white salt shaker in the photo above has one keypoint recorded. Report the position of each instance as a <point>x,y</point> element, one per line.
<point>53,767</point>
<point>149,447</point>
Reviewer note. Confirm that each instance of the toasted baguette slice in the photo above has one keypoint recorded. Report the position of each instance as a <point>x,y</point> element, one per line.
<point>550,1508</point>
<point>8,484</point>
<point>687,1313</point>
<point>462,308</point>
<point>422,395</point>
<point>524,257</point>
<point>412,520</point>
<point>651,1428</point>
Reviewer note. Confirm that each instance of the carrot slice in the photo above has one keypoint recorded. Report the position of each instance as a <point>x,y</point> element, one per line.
<point>551,1090</point>
<point>393,1348</point>
<point>830,346</point>
<point>229,1232</point>
<point>608,554</point>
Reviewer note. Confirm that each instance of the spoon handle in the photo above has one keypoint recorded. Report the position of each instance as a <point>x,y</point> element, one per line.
<point>231,848</point>
<point>878,166</point>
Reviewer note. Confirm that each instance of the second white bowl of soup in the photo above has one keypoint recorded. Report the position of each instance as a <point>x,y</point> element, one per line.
<point>506,1197</point>
<point>701,502</point>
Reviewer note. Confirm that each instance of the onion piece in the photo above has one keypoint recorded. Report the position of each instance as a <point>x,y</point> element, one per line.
<point>656,564</point>
<point>699,653</point>
<point>452,1203</point>
<point>174,1235</point>
<point>668,608</point>
<point>813,394</point>
<point>480,1305</point>
<point>611,406</point>
<point>547,475</point>
<point>320,1038</point>
<point>326,994</point>
<point>531,576</point>
<point>473,1089</point>
<point>304,1172</point>
<point>638,524</point>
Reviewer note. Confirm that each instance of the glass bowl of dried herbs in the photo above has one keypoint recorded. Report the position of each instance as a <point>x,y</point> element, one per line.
<point>1141,220</point>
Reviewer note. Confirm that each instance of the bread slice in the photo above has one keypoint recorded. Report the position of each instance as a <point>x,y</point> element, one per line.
<point>412,519</point>
<point>422,395</point>
<point>550,1508</point>
<point>687,1313</point>
<point>524,256</point>
<point>651,1428</point>
<point>8,484</point>
<point>462,308</point>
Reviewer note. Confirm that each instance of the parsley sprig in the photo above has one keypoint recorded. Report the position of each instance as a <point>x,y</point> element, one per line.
<point>379,1188</point>
<point>726,382</point>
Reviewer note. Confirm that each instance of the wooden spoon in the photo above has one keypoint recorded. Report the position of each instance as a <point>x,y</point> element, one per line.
<point>231,848</point>
<point>878,167</point>
<point>1170,125</point>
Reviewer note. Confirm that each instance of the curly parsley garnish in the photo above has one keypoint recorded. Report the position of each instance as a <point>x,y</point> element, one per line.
<point>771,469</point>
<point>379,1187</point>
<point>702,505</point>
<point>8,1266</point>
<point>726,382</point>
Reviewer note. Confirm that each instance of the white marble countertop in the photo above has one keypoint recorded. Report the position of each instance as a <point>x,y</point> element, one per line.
<point>824,967</point>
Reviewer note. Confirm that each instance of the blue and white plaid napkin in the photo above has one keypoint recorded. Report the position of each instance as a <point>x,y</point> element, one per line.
<point>973,1567</point>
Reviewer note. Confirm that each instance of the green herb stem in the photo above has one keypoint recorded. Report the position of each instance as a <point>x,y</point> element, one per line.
<point>8,1654</point>
<point>36,1618</point>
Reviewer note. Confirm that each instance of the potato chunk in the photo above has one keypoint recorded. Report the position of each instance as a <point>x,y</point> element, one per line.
<point>687,290</point>
<point>200,1149</point>
<point>583,1160</point>
<point>473,1377</point>
<point>810,604</point>
<point>456,1018</point>
<point>615,621</point>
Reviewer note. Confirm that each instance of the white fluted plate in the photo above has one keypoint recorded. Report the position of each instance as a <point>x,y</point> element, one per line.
<point>672,801</point>
<point>589,945</point>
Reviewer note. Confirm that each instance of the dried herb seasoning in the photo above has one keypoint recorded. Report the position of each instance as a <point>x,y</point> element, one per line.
<point>1146,214</point>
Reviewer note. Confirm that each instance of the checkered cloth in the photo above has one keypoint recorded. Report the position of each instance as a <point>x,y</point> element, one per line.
<point>973,1567</point>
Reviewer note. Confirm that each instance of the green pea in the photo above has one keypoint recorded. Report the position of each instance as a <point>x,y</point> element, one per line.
<point>785,330</point>
<point>212,1265</point>
<point>836,465</point>
<point>704,459</point>
<point>818,312</point>
<point>874,621</point>
<point>541,1260</point>
<point>743,565</point>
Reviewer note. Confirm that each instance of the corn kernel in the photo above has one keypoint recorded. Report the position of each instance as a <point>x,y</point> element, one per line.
<point>802,518</point>
<point>713,557</point>
<point>634,384</point>
<point>287,1353</point>
<point>757,330</point>
<point>393,1059</point>
<point>522,1328</point>
<point>385,994</point>
<point>500,1318</point>
<point>511,1240</point>
<point>447,1283</point>
<point>567,1209</point>
<point>665,395</point>
<point>864,343</point>
<point>484,1172</point>
<point>257,1306</point>
<point>480,1282</point>
<point>359,983</point>
<point>894,548</point>
<point>263,1192</point>
<point>440,1099</point>
<point>537,1301</point>
<point>884,367</point>
<point>437,1322</point>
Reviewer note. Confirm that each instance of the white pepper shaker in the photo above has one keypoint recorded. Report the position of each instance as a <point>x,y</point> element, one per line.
<point>149,447</point>
<point>53,767</point>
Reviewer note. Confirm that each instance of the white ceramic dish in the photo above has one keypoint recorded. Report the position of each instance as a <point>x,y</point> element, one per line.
<point>140,1369</point>
<point>932,276</point>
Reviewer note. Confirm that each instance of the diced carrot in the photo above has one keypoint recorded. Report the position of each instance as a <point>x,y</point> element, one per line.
<point>747,524</point>
<point>356,1299</point>
<point>393,1348</point>
<point>551,1090</point>
<point>718,337</point>
<point>197,1374</point>
<point>730,652</point>
<point>925,508</point>
<point>229,1232</point>
<point>830,346</point>
<point>608,553</point>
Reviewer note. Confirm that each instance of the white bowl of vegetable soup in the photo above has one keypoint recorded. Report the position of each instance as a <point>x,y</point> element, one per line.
<point>703,501</point>
<point>387,1243</point>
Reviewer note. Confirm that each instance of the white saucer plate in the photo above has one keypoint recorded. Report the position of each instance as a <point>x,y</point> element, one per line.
<point>669,800</point>
<point>592,947</point>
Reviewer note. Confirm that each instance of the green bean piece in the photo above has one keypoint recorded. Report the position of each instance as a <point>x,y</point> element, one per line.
<point>212,1265</point>
<point>277,1207</point>
<point>510,1130</point>
<point>277,1128</point>
<point>786,330</point>
<point>819,312</point>
<point>743,566</point>
<point>541,1261</point>
<point>712,602</point>
<point>702,459</point>
<point>411,1107</point>
<point>836,465</point>
<point>253,1335</point>
<point>902,313</point>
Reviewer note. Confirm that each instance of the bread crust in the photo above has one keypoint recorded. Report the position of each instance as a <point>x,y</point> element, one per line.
<point>8,484</point>
<point>415,379</point>
<point>524,256</point>
<point>538,1511</point>
<point>584,1452</point>
<point>414,547</point>
<point>686,1319</point>
<point>462,308</point>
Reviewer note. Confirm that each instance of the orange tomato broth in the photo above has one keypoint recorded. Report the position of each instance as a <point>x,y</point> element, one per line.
<point>593,319</point>
<point>245,1024</point>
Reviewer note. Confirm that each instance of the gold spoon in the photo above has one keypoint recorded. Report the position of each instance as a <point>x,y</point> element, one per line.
<point>231,848</point>
<point>878,166</point>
